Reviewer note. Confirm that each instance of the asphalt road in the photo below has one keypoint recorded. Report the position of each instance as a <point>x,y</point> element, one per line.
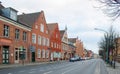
<point>93,66</point>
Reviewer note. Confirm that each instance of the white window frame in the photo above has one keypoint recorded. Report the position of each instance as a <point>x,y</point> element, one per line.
<point>48,43</point>
<point>44,39</point>
<point>43,53</point>
<point>39,53</point>
<point>39,40</point>
<point>47,53</point>
<point>34,38</point>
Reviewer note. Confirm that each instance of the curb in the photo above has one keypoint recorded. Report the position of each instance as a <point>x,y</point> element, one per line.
<point>28,64</point>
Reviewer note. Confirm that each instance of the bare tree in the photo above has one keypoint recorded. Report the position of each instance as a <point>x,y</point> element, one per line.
<point>107,43</point>
<point>111,8</point>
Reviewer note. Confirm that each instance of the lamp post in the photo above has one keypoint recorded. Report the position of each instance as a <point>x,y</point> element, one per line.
<point>107,53</point>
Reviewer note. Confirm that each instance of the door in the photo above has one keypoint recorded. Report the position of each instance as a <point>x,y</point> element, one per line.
<point>33,56</point>
<point>16,55</point>
<point>51,57</point>
<point>5,56</point>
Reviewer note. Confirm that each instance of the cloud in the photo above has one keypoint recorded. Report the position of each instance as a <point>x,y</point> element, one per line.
<point>79,16</point>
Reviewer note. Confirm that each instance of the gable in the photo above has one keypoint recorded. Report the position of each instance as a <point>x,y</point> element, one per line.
<point>65,37</point>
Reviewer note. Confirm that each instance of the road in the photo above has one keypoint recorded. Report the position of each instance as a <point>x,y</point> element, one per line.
<point>93,66</point>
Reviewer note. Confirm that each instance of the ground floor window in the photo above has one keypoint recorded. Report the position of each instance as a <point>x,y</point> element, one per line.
<point>39,53</point>
<point>43,53</point>
<point>47,53</point>
<point>5,54</point>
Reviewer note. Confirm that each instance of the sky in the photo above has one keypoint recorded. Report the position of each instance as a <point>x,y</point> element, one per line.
<point>80,17</point>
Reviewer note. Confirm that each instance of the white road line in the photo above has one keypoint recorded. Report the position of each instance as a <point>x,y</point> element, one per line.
<point>97,70</point>
<point>47,72</point>
<point>32,72</point>
<point>33,69</point>
<point>67,71</point>
<point>41,70</point>
<point>9,73</point>
<point>22,71</point>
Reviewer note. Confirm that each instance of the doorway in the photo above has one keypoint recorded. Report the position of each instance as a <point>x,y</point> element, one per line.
<point>16,55</point>
<point>5,56</point>
<point>33,56</point>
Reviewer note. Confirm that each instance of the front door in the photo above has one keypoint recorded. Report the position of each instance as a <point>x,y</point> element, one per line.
<point>51,57</point>
<point>16,55</point>
<point>33,56</point>
<point>5,56</point>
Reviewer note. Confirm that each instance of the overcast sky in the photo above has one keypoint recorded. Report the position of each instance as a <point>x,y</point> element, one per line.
<point>80,17</point>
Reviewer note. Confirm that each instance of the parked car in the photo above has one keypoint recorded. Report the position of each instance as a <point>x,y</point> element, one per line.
<point>73,59</point>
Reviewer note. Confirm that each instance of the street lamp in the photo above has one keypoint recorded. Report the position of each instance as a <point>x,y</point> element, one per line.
<point>107,53</point>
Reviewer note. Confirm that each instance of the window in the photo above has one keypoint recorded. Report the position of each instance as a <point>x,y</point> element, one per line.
<point>13,15</point>
<point>47,53</point>
<point>25,53</point>
<point>54,45</point>
<point>47,41</point>
<point>39,53</point>
<point>43,53</point>
<point>39,40</point>
<point>36,27</point>
<point>6,31</point>
<point>44,40</point>
<point>51,44</point>
<point>24,36</point>
<point>17,34</point>
<point>56,36</point>
<point>42,28</point>
<point>33,38</point>
<point>57,45</point>
<point>46,31</point>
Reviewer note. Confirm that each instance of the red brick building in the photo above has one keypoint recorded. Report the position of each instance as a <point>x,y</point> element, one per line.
<point>79,48</point>
<point>79,51</point>
<point>39,45</point>
<point>55,41</point>
<point>14,37</point>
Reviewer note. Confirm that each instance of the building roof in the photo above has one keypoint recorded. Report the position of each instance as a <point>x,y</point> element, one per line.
<point>51,26</point>
<point>29,19</point>
<point>62,33</point>
<point>1,6</point>
<point>73,40</point>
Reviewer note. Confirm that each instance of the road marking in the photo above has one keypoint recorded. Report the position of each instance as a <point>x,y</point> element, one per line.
<point>67,71</point>
<point>9,73</point>
<point>97,70</point>
<point>33,69</point>
<point>32,72</point>
<point>47,72</point>
<point>41,70</point>
<point>22,71</point>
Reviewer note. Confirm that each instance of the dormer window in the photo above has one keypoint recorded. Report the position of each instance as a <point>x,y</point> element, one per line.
<point>10,13</point>
<point>13,15</point>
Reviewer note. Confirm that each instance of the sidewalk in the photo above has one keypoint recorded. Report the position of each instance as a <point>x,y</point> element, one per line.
<point>3,66</point>
<point>111,70</point>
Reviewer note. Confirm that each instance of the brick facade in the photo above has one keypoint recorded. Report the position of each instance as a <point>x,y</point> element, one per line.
<point>55,41</point>
<point>8,45</point>
<point>40,31</point>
